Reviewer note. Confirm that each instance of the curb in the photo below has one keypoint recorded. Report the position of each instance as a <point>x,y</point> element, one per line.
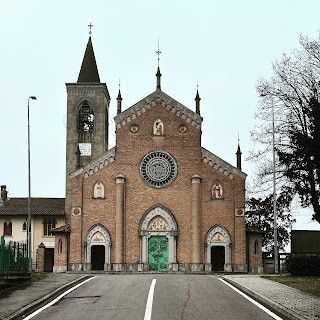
<point>28,309</point>
<point>273,306</point>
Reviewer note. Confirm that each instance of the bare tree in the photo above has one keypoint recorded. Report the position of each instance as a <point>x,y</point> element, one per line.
<point>292,93</point>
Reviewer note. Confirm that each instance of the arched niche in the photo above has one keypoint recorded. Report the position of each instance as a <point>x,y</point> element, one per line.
<point>217,190</point>
<point>98,190</point>
<point>158,128</point>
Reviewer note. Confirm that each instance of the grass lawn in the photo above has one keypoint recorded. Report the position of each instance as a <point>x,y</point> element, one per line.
<point>306,284</point>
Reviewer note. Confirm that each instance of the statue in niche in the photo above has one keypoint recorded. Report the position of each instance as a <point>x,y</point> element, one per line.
<point>98,191</point>
<point>158,128</point>
<point>217,191</point>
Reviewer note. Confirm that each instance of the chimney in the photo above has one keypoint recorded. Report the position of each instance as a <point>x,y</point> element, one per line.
<point>4,194</point>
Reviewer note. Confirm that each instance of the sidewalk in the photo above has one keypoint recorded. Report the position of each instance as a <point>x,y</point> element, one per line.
<point>287,301</point>
<point>25,298</point>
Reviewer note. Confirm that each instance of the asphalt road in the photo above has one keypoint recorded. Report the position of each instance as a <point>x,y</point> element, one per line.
<point>187,297</point>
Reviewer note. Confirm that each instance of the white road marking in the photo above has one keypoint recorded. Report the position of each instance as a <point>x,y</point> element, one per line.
<point>30,316</point>
<point>270,313</point>
<point>147,314</point>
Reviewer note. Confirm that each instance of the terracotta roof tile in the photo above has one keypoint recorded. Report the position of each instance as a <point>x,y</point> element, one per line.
<point>65,228</point>
<point>252,229</point>
<point>39,206</point>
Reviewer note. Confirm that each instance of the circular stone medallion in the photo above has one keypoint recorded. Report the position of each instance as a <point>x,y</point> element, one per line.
<point>158,169</point>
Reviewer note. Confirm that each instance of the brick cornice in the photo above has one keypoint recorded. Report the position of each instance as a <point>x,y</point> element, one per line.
<point>221,165</point>
<point>158,97</point>
<point>86,88</point>
<point>96,164</point>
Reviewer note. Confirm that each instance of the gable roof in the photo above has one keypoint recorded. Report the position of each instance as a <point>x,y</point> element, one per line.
<point>153,99</point>
<point>89,70</point>
<point>39,207</point>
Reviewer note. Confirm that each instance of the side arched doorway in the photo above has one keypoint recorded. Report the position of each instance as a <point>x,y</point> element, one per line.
<point>218,249</point>
<point>98,247</point>
<point>158,231</point>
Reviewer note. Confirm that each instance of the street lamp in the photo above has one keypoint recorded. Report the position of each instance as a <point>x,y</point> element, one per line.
<point>29,191</point>
<point>275,226</point>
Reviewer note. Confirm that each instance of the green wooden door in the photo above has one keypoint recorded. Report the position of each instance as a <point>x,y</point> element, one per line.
<point>158,253</point>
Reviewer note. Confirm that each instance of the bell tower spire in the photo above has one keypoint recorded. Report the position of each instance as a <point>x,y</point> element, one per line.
<point>88,103</point>
<point>119,101</point>
<point>197,99</point>
<point>238,153</point>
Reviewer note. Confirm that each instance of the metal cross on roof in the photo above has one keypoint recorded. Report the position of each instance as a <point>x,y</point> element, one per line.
<point>158,53</point>
<point>90,25</point>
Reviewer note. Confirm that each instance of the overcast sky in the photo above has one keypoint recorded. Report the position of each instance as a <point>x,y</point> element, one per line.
<point>225,46</point>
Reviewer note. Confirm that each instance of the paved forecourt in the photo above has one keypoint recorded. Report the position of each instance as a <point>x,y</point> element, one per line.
<point>123,297</point>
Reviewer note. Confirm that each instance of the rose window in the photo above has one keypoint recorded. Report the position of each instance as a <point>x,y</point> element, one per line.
<point>158,169</point>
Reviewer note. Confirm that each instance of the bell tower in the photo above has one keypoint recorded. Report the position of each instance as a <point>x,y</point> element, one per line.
<point>87,119</point>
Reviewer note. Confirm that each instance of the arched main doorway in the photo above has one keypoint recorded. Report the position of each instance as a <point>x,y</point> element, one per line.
<point>218,249</point>
<point>98,247</point>
<point>158,231</point>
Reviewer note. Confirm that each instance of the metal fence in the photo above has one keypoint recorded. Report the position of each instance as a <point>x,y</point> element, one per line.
<point>13,258</point>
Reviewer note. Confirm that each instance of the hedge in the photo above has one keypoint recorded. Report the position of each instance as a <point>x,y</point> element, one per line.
<point>303,264</point>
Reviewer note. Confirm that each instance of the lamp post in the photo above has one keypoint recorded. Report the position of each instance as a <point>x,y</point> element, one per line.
<point>29,191</point>
<point>275,226</point>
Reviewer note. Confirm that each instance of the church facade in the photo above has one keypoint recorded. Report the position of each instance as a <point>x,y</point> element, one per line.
<point>157,201</point>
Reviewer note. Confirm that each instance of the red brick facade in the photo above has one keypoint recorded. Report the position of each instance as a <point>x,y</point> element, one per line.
<point>114,212</point>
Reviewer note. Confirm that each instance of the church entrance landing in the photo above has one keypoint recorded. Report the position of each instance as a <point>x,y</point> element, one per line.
<point>158,253</point>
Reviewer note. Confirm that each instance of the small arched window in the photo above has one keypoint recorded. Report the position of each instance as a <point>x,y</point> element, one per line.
<point>217,191</point>
<point>85,117</point>
<point>60,246</point>
<point>256,247</point>
<point>48,224</point>
<point>7,228</point>
<point>158,128</point>
<point>24,226</point>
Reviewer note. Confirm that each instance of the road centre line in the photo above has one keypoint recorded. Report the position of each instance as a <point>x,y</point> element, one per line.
<point>270,313</point>
<point>148,312</point>
<point>30,316</point>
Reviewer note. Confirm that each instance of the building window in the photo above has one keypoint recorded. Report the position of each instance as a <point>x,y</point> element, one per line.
<point>24,226</point>
<point>60,246</point>
<point>48,224</point>
<point>256,248</point>
<point>158,169</point>
<point>7,228</point>
<point>85,117</point>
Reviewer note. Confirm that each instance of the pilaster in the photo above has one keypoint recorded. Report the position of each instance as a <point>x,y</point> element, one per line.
<point>120,201</point>
<point>196,219</point>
